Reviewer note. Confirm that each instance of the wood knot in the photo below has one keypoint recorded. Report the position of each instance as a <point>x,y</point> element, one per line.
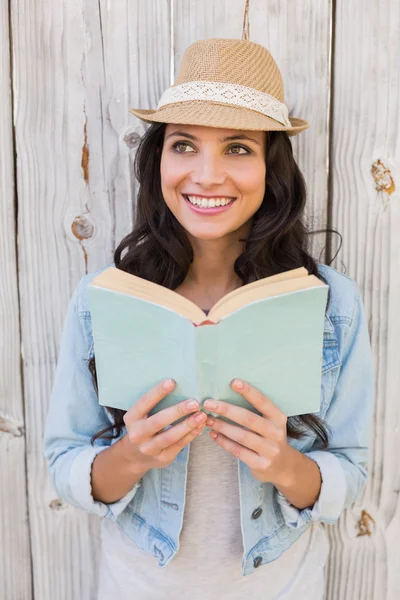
<point>383,177</point>
<point>82,227</point>
<point>365,524</point>
<point>132,139</point>
<point>11,427</point>
<point>58,504</point>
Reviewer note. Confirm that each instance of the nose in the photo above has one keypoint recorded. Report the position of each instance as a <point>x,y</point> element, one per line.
<point>208,172</point>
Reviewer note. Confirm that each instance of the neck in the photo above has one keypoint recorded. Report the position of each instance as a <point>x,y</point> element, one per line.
<point>212,270</point>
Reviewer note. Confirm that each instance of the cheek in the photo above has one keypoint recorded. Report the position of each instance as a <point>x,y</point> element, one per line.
<point>249,174</point>
<point>168,173</point>
<point>251,181</point>
<point>172,176</point>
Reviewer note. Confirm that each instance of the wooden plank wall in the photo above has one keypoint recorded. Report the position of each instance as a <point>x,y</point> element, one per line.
<point>78,67</point>
<point>65,128</point>
<point>365,209</point>
<point>15,558</point>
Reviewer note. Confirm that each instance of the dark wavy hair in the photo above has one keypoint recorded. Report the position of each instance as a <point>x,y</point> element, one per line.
<point>158,248</point>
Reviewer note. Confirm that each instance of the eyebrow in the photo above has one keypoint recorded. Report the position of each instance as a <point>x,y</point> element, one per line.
<point>225,139</point>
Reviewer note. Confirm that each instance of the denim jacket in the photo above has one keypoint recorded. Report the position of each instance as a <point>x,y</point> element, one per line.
<point>151,513</point>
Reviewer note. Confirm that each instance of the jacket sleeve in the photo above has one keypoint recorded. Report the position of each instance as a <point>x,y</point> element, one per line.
<point>74,415</point>
<point>343,465</point>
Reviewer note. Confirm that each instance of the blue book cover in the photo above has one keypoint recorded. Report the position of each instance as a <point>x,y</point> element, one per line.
<point>272,340</point>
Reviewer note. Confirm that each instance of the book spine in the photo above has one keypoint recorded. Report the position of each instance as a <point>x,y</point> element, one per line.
<point>206,362</point>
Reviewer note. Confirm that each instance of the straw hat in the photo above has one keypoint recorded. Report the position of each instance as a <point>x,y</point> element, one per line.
<point>227,83</point>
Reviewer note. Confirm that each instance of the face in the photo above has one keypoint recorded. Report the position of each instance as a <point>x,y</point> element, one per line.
<point>213,180</point>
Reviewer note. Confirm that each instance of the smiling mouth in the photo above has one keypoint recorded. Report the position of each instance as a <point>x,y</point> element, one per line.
<point>199,202</point>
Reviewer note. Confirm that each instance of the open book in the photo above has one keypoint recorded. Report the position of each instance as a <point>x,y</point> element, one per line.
<point>269,333</point>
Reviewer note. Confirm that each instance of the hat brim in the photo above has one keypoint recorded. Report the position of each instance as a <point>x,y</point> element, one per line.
<point>212,114</point>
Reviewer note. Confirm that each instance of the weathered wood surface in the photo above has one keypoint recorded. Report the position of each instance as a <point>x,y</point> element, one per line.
<point>15,561</point>
<point>366,210</point>
<point>78,68</point>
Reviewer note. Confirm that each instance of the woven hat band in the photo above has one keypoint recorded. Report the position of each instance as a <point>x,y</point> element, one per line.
<point>227,93</point>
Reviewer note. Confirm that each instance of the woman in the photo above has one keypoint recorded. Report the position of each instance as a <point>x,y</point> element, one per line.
<point>220,204</point>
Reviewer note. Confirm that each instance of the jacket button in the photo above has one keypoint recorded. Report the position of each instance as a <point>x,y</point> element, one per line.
<point>256,513</point>
<point>257,561</point>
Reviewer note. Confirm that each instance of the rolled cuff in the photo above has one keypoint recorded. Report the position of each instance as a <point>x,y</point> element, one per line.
<point>331,499</point>
<point>81,487</point>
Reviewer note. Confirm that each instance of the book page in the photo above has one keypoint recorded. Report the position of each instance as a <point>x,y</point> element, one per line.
<point>126,283</point>
<point>294,273</point>
<point>258,293</point>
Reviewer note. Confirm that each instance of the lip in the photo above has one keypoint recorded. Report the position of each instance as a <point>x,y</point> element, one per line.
<point>210,196</point>
<point>207,211</point>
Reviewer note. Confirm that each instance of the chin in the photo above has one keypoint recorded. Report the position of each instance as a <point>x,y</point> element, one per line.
<point>207,232</point>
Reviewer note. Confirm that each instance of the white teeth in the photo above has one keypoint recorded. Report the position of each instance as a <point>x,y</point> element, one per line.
<point>209,202</point>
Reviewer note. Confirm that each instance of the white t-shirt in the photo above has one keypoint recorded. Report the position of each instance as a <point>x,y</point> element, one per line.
<point>208,563</point>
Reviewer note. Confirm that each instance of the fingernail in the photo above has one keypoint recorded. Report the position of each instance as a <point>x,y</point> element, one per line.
<point>200,417</point>
<point>192,404</point>
<point>238,384</point>
<point>168,384</point>
<point>210,404</point>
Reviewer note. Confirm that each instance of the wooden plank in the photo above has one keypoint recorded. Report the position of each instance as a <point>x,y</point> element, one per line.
<point>366,211</point>
<point>298,35</point>
<point>15,564</point>
<point>78,68</point>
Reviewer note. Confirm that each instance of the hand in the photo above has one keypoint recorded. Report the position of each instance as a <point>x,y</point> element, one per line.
<point>148,446</point>
<point>263,445</point>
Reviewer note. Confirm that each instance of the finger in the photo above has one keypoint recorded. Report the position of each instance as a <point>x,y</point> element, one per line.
<point>253,460</point>
<point>173,436</point>
<point>154,424</point>
<point>169,454</point>
<point>248,419</point>
<point>249,439</point>
<point>144,405</point>
<point>263,404</point>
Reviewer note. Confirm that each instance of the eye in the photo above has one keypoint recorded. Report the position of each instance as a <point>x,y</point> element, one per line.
<point>176,146</point>
<point>247,151</point>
